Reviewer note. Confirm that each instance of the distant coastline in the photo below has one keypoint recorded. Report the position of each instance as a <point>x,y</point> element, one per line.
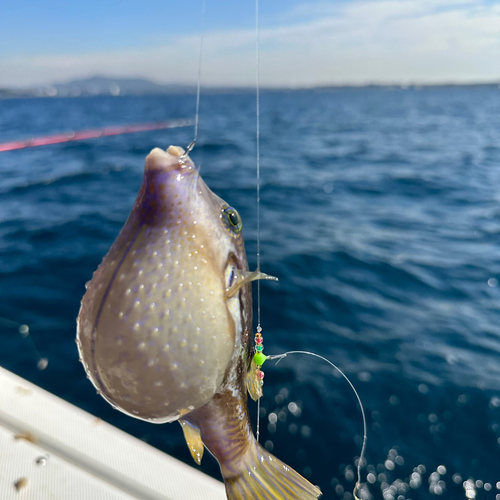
<point>100,85</point>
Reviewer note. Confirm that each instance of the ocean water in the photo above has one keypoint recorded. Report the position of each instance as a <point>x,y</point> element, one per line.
<point>380,215</point>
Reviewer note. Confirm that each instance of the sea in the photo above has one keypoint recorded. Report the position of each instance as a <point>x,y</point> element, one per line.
<point>379,214</point>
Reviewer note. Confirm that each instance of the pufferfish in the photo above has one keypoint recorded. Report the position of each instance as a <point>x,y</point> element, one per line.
<point>164,329</point>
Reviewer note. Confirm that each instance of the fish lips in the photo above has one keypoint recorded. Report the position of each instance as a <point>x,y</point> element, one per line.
<point>169,177</point>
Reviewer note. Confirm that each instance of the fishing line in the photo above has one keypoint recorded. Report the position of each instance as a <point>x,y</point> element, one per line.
<point>257,137</point>
<point>200,58</point>
<point>361,460</point>
<point>279,357</point>
<point>24,331</point>
<point>257,103</point>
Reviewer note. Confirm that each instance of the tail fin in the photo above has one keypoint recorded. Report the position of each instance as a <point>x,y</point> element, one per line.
<point>263,477</point>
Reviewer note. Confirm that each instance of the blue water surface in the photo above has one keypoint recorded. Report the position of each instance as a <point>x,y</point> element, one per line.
<point>380,214</point>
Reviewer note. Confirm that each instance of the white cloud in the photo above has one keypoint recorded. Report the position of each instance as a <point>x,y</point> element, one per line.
<point>358,42</point>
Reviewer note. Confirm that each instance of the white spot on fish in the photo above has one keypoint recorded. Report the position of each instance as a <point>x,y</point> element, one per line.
<point>166,348</point>
<point>183,343</point>
<point>141,346</point>
<point>136,326</point>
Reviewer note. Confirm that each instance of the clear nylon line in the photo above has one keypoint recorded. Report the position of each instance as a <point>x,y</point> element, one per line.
<point>197,113</point>
<point>24,331</point>
<point>257,137</point>
<point>257,433</point>
<point>361,460</point>
<point>257,102</point>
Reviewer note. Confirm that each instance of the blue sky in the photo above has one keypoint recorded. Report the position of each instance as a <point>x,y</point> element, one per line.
<point>303,43</point>
<point>38,26</point>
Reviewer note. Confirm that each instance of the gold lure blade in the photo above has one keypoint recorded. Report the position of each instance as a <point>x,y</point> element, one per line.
<point>254,385</point>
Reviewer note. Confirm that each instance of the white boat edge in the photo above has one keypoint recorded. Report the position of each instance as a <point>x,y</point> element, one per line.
<point>51,449</point>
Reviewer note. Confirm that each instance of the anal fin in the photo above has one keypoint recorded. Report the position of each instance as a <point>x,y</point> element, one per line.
<point>193,440</point>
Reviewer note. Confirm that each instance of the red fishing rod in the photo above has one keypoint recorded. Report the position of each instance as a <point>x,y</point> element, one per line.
<point>92,134</point>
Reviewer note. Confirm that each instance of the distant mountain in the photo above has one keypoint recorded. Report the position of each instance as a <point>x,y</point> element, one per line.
<point>102,85</point>
<point>99,85</point>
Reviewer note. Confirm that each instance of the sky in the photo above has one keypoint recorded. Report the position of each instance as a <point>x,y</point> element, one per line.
<point>302,43</point>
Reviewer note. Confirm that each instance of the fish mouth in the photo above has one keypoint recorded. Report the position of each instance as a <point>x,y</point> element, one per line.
<point>170,180</point>
<point>174,158</point>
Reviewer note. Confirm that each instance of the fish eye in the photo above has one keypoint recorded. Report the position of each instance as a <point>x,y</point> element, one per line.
<point>233,219</point>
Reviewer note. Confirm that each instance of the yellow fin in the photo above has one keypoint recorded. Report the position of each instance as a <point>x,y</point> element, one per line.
<point>193,440</point>
<point>261,476</point>
<point>254,385</point>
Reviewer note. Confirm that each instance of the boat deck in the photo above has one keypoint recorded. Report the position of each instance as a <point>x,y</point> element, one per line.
<point>52,450</point>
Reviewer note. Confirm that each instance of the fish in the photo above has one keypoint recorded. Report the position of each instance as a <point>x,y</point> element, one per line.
<point>164,328</point>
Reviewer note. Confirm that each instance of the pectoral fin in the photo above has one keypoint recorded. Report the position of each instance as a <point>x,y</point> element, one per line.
<point>254,382</point>
<point>193,440</point>
<point>243,277</point>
